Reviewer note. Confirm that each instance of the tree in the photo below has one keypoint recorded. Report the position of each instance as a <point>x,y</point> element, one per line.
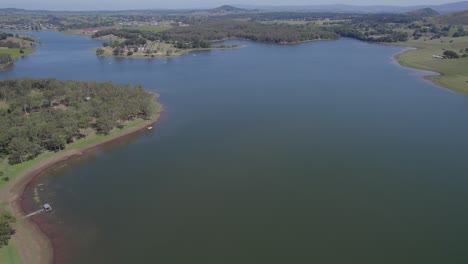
<point>450,54</point>
<point>116,51</point>
<point>21,149</point>
<point>99,51</point>
<point>6,228</point>
<point>5,59</point>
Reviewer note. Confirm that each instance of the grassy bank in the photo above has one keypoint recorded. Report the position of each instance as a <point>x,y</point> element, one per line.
<point>24,246</point>
<point>9,254</point>
<point>15,53</point>
<point>453,72</point>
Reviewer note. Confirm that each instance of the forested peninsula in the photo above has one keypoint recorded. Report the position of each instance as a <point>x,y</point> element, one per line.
<point>39,115</point>
<point>45,121</point>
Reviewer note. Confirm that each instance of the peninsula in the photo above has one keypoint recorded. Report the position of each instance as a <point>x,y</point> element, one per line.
<point>69,117</point>
<point>13,46</point>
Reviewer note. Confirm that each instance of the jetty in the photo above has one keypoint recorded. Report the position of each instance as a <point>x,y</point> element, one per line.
<point>44,209</point>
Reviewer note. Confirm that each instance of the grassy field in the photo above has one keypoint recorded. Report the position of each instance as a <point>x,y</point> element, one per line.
<point>154,29</point>
<point>9,255</point>
<point>454,72</point>
<point>15,53</point>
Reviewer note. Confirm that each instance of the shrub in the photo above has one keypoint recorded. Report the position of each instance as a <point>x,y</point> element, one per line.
<point>450,54</point>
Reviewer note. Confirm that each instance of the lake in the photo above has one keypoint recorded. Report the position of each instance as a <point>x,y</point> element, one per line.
<point>325,152</point>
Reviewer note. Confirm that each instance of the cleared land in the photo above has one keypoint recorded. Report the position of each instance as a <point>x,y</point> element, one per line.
<point>454,72</point>
<point>9,254</point>
<point>15,53</point>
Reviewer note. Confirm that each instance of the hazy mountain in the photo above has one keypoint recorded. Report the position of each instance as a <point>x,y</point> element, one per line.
<point>227,8</point>
<point>425,12</point>
<point>444,8</point>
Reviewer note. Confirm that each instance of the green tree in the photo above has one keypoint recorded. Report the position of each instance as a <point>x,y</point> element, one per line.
<point>6,228</point>
<point>450,54</point>
<point>21,149</point>
<point>99,51</point>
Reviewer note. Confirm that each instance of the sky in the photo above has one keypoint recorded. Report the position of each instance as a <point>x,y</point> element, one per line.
<point>191,4</point>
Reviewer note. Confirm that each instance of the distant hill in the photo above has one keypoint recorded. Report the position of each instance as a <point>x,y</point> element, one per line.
<point>444,8</point>
<point>226,8</point>
<point>425,12</point>
<point>458,18</point>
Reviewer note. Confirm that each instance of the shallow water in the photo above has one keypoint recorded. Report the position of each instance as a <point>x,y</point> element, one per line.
<point>325,152</point>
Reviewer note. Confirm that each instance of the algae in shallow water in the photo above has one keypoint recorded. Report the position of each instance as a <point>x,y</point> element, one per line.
<point>36,195</point>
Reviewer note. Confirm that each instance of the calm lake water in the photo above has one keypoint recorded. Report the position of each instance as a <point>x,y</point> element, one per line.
<point>326,152</point>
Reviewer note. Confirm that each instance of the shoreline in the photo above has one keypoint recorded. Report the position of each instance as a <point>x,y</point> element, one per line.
<point>9,66</point>
<point>166,56</point>
<point>437,74</point>
<point>427,77</point>
<point>32,244</point>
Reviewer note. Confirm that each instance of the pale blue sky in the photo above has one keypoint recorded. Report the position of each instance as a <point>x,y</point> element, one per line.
<point>165,4</point>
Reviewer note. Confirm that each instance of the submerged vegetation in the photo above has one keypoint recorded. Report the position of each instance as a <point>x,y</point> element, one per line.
<point>38,115</point>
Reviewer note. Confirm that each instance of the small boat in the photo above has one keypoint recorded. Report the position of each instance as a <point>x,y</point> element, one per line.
<point>46,207</point>
<point>150,127</point>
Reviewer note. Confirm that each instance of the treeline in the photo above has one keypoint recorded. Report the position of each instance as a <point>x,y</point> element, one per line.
<point>372,35</point>
<point>377,27</point>
<point>4,35</point>
<point>201,35</point>
<point>461,32</point>
<point>140,37</point>
<point>215,30</point>
<point>297,16</point>
<point>5,59</point>
<point>9,44</point>
<point>46,114</point>
<point>17,43</point>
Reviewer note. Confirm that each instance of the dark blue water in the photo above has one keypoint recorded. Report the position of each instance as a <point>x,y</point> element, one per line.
<point>326,152</point>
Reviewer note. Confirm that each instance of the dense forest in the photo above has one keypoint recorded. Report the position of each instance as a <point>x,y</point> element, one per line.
<point>214,30</point>
<point>37,115</point>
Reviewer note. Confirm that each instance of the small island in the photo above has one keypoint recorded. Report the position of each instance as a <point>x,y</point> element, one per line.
<point>13,46</point>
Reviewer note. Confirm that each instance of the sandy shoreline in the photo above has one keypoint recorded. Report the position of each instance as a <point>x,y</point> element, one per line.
<point>31,242</point>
